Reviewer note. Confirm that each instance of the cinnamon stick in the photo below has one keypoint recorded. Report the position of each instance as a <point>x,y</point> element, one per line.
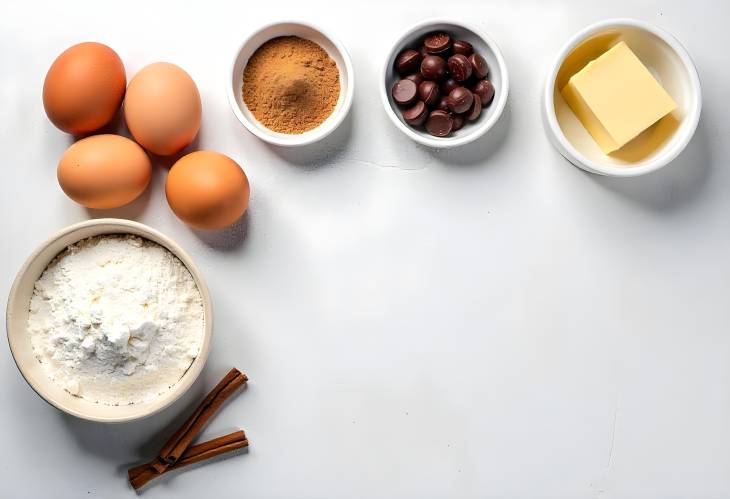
<point>212,448</point>
<point>176,445</point>
<point>140,475</point>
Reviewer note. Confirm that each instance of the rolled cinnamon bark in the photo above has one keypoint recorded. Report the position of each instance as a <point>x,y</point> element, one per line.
<point>212,448</point>
<point>176,445</point>
<point>140,475</point>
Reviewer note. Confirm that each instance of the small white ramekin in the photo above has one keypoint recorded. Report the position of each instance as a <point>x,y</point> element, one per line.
<point>19,340</point>
<point>498,75</point>
<point>670,63</point>
<point>334,49</point>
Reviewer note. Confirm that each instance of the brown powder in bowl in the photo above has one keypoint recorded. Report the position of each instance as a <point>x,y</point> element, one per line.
<point>291,85</point>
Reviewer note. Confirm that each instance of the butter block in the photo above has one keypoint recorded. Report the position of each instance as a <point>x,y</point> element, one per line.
<point>616,98</point>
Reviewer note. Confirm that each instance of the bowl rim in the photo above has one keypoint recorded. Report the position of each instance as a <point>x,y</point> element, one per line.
<point>481,128</point>
<point>676,146</point>
<point>311,136</point>
<point>196,367</point>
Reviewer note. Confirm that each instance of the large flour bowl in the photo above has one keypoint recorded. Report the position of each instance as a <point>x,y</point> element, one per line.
<point>19,339</point>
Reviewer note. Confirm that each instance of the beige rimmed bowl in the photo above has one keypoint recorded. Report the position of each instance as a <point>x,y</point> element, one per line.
<point>19,340</point>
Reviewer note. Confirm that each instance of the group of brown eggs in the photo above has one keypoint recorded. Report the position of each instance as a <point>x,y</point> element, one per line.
<point>83,91</point>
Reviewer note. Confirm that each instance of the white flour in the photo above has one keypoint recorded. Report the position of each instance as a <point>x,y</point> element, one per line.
<point>116,319</point>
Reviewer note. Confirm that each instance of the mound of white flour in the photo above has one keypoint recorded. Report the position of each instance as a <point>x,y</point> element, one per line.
<point>116,319</point>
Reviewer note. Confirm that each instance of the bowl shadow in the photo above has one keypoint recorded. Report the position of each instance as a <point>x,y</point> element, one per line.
<point>478,152</point>
<point>114,443</point>
<point>321,153</point>
<point>671,187</point>
<point>227,239</point>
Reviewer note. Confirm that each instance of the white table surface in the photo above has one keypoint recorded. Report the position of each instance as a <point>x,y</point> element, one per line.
<point>488,322</point>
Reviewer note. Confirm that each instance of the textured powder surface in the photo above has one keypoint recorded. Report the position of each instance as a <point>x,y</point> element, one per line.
<point>291,85</point>
<point>116,319</point>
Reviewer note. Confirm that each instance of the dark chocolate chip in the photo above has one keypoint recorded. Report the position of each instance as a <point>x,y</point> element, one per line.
<point>475,110</point>
<point>416,115</point>
<point>437,43</point>
<point>407,62</point>
<point>416,78</point>
<point>433,67</point>
<point>485,90</point>
<point>459,67</point>
<point>458,122</point>
<point>428,92</point>
<point>439,123</point>
<point>462,47</point>
<point>460,100</point>
<point>404,92</point>
<point>444,104</point>
<point>448,85</point>
<point>479,65</point>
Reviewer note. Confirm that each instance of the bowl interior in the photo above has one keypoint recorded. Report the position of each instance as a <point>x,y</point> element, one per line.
<point>302,31</point>
<point>31,368</point>
<point>668,68</point>
<point>496,75</point>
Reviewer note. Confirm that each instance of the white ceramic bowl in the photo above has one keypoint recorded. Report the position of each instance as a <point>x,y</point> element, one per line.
<point>484,45</point>
<point>668,61</point>
<point>335,50</point>
<point>17,318</point>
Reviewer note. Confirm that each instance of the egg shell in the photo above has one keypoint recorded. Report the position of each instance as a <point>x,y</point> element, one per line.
<point>163,108</point>
<point>207,190</point>
<point>84,88</point>
<point>104,171</point>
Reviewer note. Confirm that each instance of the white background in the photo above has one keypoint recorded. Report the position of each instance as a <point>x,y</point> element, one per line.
<point>488,322</point>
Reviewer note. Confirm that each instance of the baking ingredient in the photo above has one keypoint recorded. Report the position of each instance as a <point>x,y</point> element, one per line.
<point>416,78</point>
<point>104,171</point>
<point>207,190</point>
<point>84,88</point>
<point>116,320</point>
<point>437,43</point>
<point>616,98</point>
<point>416,115</point>
<point>462,47</point>
<point>474,110</point>
<point>177,451</point>
<point>181,439</point>
<point>439,123</point>
<point>163,108</point>
<point>458,121</point>
<point>460,100</point>
<point>484,90</point>
<point>448,85</point>
<point>404,92</point>
<point>451,79</point>
<point>433,68</point>
<point>429,93</point>
<point>408,62</point>
<point>479,65</point>
<point>141,475</point>
<point>291,85</point>
<point>460,67</point>
<point>443,104</point>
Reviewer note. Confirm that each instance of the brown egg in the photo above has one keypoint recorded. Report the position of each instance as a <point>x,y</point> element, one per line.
<point>84,88</point>
<point>207,190</point>
<point>104,171</point>
<point>162,108</point>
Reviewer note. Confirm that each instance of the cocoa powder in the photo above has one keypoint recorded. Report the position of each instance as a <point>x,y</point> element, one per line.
<point>291,85</point>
